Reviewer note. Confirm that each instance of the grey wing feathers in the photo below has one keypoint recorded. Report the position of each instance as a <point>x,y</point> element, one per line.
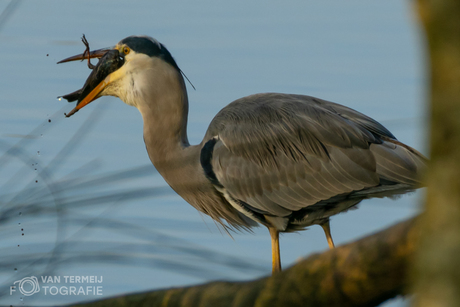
<point>278,154</point>
<point>356,117</point>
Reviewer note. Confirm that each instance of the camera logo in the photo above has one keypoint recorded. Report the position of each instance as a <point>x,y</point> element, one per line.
<point>28,285</point>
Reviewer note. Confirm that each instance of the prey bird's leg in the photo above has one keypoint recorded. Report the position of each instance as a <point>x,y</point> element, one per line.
<point>83,39</point>
<point>327,230</point>
<point>276,261</point>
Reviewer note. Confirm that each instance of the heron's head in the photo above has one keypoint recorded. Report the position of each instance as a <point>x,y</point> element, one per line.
<point>125,71</point>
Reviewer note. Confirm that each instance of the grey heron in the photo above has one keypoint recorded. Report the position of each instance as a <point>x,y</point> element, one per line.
<point>281,160</point>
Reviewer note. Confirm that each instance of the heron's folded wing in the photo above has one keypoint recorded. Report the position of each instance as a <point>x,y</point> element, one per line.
<point>280,153</point>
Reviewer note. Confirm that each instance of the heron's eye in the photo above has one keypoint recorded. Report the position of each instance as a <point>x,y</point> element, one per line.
<point>126,50</point>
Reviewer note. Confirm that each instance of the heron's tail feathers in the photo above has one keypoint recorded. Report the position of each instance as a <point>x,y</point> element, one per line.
<point>398,163</point>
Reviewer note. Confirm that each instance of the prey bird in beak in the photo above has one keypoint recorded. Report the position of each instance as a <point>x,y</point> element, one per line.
<point>110,61</point>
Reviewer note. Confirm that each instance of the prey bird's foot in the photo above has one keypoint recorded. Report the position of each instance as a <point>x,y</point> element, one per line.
<point>87,52</point>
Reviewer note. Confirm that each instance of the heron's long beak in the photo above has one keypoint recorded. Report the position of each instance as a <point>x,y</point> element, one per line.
<point>102,75</point>
<point>93,95</point>
<point>93,54</point>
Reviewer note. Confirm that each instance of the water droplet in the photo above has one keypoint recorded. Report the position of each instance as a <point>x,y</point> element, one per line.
<point>36,181</point>
<point>38,153</point>
<point>15,269</point>
<point>41,135</point>
<point>49,120</point>
<point>22,229</point>
<point>47,54</point>
<point>20,213</point>
<point>21,299</point>
<point>19,223</point>
<point>18,245</point>
<point>22,234</point>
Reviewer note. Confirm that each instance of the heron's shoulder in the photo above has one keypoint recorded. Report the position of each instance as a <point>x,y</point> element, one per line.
<point>266,109</point>
<point>264,102</point>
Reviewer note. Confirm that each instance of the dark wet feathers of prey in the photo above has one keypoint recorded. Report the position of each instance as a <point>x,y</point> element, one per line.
<point>107,64</point>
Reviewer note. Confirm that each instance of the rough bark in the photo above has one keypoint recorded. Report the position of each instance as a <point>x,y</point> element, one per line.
<point>437,270</point>
<point>362,273</point>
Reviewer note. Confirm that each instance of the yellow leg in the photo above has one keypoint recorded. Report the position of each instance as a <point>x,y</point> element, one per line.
<point>327,230</point>
<point>276,261</point>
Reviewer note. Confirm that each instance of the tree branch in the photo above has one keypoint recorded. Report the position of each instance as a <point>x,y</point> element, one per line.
<point>362,273</point>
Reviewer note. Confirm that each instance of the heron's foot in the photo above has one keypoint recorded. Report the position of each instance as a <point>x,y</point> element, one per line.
<point>276,259</point>
<point>327,231</point>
